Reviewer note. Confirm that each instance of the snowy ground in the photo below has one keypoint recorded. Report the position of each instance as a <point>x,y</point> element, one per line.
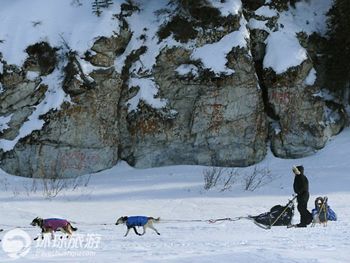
<point>176,193</point>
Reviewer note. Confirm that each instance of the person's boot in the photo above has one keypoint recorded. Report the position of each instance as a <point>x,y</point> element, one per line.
<point>301,225</point>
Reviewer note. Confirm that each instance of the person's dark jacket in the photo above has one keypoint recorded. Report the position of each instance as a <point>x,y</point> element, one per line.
<point>301,186</point>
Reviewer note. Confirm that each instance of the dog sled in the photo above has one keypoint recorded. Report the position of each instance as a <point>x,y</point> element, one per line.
<point>277,216</point>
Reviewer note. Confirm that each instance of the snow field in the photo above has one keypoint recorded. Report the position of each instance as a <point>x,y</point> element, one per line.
<point>176,193</point>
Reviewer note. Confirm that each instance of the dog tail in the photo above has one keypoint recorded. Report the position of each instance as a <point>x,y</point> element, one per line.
<point>73,228</point>
<point>156,219</point>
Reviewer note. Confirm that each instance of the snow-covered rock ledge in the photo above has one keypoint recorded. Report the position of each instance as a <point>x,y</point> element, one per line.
<point>158,83</point>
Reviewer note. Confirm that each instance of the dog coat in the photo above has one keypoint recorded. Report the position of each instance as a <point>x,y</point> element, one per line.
<point>136,221</point>
<point>55,223</point>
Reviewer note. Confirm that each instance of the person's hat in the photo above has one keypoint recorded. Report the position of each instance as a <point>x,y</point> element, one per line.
<point>301,169</point>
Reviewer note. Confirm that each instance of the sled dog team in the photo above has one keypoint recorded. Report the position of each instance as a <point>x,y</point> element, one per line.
<point>51,225</point>
<point>320,214</point>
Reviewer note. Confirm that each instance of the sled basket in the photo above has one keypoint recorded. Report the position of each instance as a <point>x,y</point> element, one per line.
<point>277,216</point>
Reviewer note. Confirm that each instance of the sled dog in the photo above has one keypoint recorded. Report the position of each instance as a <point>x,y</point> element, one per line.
<point>316,220</point>
<point>319,213</point>
<point>132,222</point>
<point>51,225</point>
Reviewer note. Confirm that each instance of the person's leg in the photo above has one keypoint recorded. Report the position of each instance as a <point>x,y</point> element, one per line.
<point>305,215</point>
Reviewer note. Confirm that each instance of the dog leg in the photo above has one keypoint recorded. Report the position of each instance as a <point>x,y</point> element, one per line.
<point>68,231</point>
<point>316,220</point>
<point>127,232</point>
<point>144,230</point>
<point>135,230</point>
<point>153,228</point>
<point>41,235</point>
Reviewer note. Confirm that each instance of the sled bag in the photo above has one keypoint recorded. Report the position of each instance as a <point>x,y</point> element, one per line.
<point>268,218</point>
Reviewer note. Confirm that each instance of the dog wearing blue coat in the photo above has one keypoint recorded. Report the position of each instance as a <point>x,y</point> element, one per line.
<point>132,222</point>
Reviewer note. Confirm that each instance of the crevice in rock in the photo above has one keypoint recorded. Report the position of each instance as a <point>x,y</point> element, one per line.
<point>41,57</point>
<point>252,4</point>
<point>124,151</point>
<point>257,47</point>
<point>268,108</point>
<point>75,81</point>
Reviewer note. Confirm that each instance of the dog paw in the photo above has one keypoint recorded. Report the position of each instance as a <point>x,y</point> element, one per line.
<point>158,234</point>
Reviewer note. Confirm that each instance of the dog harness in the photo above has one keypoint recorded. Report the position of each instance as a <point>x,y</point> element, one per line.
<point>55,223</point>
<point>136,221</point>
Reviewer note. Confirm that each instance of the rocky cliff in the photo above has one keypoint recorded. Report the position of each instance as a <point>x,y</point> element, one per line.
<point>175,82</point>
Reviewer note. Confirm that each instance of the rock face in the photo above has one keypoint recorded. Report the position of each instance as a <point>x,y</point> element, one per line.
<point>299,119</point>
<point>213,123</point>
<point>80,138</point>
<point>221,119</point>
<point>300,129</point>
